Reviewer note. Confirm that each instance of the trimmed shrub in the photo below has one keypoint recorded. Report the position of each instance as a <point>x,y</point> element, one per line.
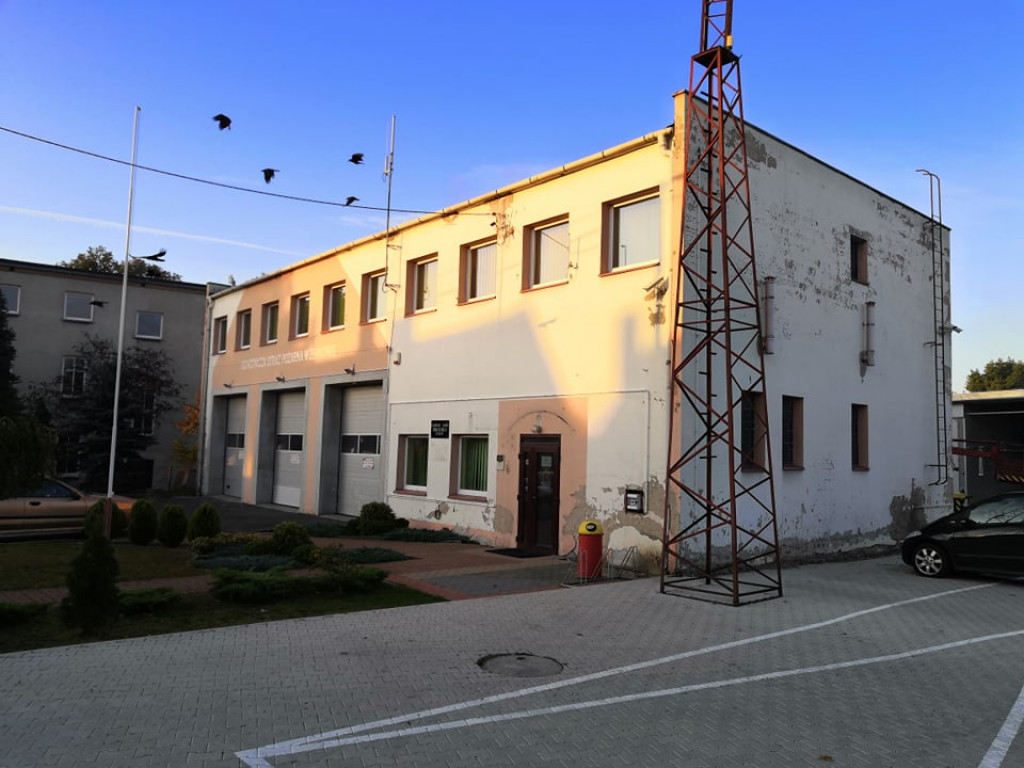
<point>133,602</point>
<point>357,555</point>
<point>142,523</point>
<point>287,536</point>
<point>205,521</point>
<point>245,562</point>
<point>204,545</point>
<point>256,588</point>
<point>13,614</point>
<point>425,534</point>
<point>118,521</point>
<point>375,518</point>
<point>94,519</point>
<point>92,601</point>
<point>171,525</point>
<point>307,554</point>
<point>325,529</point>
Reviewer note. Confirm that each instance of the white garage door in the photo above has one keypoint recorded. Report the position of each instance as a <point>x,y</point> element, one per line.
<point>288,448</point>
<point>234,447</point>
<point>359,470</point>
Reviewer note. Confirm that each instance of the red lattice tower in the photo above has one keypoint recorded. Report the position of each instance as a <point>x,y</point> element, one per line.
<point>724,547</point>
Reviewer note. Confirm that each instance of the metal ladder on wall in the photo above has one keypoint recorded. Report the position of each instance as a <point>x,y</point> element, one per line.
<point>940,327</point>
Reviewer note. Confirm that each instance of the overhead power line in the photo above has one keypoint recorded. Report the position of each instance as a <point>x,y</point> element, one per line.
<point>222,185</point>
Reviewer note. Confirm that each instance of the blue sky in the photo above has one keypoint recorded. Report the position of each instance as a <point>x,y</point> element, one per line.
<point>485,94</point>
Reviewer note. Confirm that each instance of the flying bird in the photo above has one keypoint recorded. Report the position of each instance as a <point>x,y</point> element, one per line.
<point>268,174</point>
<point>350,199</point>
<point>223,121</point>
<point>357,158</point>
<point>98,303</point>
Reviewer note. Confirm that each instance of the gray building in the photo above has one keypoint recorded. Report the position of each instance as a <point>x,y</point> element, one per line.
<point>51,311</point>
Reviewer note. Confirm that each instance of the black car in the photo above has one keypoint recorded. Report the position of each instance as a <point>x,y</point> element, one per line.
<point>986,537</point>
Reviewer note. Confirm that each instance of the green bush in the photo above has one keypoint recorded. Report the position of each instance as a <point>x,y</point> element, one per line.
<point>142,523</point>
<point>357,555</point>
<point>424,534</point>
<point>257,588</point>
<point>13,614</point>
<point>204,545</point>
<point>153,600</point>
<point>244,562</point>
<point>325,529</point>
<point>375,518</point>
<point>287,536</point>
<point>171,525</point>
<point>205,521</point>
<point>258,547</point>
<point>118,521</point>
<point>92,600</point>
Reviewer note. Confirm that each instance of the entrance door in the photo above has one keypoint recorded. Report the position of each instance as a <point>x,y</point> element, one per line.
<point>539,460</point>
<point>234,447</point>
<point>291,428</point>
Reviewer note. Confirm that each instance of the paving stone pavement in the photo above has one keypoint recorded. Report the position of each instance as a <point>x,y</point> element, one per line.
<point>859,665</point>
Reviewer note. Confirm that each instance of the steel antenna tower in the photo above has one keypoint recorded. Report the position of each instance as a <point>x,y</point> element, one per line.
<point>724,547</point>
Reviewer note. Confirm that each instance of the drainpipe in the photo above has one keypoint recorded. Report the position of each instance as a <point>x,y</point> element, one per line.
<point>769,316</point>
<point>204,392</point>
<point>867,355</point>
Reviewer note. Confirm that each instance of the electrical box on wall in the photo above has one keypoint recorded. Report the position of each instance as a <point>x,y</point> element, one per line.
<point>634,500</point>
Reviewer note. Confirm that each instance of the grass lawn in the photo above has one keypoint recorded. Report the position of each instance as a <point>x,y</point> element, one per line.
<point>38,564</point>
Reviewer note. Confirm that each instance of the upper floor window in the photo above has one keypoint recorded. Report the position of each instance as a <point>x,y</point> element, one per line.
<point>219,341</point>
<point>373,296</point>
<point>858,259</point>
<point>632,232</point>
<point>859,436</point>
<point>300,315</point>
<point>78,306</point>
<point>547,256</point>
<point>12,298</point>
<point>243,329</point>
<point>270,322</point>
<point>479,269</point>
<point>72,382</point>
<point>334,300</point>
<point>422,278</point>
<point>141,409</point>
<point>149,325</point>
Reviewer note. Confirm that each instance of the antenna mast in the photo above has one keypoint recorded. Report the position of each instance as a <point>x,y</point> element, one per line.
<point>389,167</point>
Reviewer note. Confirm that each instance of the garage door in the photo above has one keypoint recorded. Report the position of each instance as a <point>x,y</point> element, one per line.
<point>234,447</point>
<point>288,448</point>
<point>359,470</point>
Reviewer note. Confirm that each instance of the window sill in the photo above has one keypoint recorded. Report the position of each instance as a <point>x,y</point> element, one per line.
<point>542,286</point>
<point>860,469</point>
<point>477,300</point>
<point>468,497</point>
<point>629,268</point>
<point>423,311</point>
<point>752,468</point>
<point>372,320</point>
<point>409,492</point>
<point>792,467</point>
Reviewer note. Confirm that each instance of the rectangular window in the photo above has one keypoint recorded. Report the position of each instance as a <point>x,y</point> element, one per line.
<point>288,442</point>
<point>412,462</point>
<point>12,298</point>
<point>334,300</point>
<point>633,233</point>
<point>373,293</point>
<point>149,325</point>
<point>792,432</point>
<point>78,306</point>
<point>73,376</point>
<point>300,315</point>
<point>219,342</point>
<point>859,436</point>
<point>422,278</point>
<point>753,430</point>
<point>139,417</point>
<point>368,444</point>
<point>547,258</point>
<point>473,466</point>
<point>243,329</point>
<point>479,268</point>
<point>858,259</point>
<point>269,320</point>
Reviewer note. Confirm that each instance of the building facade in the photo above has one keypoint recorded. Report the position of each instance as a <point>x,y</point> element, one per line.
<point>53,309</point>
<point>503,367</point>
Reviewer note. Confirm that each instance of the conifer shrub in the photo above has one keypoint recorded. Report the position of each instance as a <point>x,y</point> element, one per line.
<point>287,536</point>
<point>205,521</point>
<point>142,523</point>
<point>171,525</point>
<point>13,614</point>
<point>92,601</point>
<point>376,517</point>
<point>118,520</point>
<point>133,602</point>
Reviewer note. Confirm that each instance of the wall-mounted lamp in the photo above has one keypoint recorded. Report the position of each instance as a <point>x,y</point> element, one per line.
<point>537,428</point>
<point>659,286</point>
<point>281,378</point>
<point>351,371</point>
<point>950,328</point>
<point>228,385</point>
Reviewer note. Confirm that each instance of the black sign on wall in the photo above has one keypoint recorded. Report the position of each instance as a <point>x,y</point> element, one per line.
<point>439,429</point>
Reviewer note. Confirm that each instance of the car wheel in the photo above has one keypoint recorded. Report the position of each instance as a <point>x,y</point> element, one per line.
<point>930,560</point>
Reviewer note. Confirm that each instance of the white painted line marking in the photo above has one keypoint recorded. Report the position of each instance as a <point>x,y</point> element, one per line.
<point>1001,744</point>
<point>613,700</point>
<point>253,757</point>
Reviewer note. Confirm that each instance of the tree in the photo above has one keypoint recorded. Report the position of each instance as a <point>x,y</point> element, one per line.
<point>997,375</point>
<point>82,409</point>
<point>10,403</point>
<point>99,259</point>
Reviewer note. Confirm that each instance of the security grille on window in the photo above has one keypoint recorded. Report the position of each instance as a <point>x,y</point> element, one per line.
<point>635,233</point>
<point>300,312</point>
<point>12,298</point>
<point>270,322</point>
<point>549,254</point>
<point>473,465</point>
<point>78,307</point>
<point>244,326</point>
<point>149,325</point>
<point>413,461</point>
<point>73,376</point>
<point>336,307</point>
<point>373,303</point>
<point>220,336</point>
<point>480,265</point>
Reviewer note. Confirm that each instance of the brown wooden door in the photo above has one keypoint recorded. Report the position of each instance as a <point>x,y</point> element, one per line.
<point>539,460</point>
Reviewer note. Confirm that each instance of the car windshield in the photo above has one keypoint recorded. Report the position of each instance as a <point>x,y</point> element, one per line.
<point>1004,511</point>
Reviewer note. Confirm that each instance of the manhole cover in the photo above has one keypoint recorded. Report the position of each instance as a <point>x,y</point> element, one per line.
<point>519,665</point>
